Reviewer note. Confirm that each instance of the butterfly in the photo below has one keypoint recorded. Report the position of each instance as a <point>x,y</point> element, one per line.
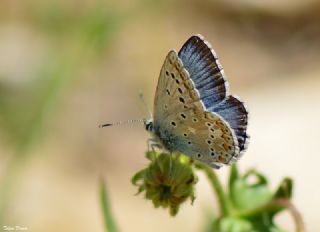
<point>193,112</point>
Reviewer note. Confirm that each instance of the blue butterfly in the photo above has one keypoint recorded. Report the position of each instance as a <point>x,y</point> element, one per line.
<point>193,113</point>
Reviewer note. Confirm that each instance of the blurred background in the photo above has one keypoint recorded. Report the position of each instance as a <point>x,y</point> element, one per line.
<point>67,66</point>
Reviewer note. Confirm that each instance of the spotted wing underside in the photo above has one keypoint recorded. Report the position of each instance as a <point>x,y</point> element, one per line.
<point>181,121</point>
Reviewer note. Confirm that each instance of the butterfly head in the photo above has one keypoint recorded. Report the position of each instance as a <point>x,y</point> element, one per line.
<point>148,124</point>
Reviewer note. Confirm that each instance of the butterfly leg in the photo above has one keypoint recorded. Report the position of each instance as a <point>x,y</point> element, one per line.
<point>152,144</point>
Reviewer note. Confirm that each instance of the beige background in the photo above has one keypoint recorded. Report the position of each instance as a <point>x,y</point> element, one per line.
<point>270,53</point>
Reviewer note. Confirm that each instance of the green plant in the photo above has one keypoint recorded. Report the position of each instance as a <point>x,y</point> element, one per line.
<point>247,205</point>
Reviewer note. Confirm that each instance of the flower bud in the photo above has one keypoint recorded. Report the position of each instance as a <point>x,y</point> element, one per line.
<point>168,181</point>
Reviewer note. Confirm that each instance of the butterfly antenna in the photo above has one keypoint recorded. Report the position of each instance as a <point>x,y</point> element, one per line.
<point>122,122</point>
<point>145,104</point>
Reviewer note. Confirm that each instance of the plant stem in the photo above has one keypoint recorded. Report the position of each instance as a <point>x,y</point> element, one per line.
<point>224,203</point>
<point>297,218</point>
<point>110,225</point>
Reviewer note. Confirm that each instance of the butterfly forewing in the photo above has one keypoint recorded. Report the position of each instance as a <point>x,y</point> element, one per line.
<point>175,90</point>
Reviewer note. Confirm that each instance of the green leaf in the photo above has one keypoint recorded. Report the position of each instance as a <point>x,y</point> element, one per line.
<point>138,177</point>
<point>110,225</point>
<point>247,195</point>
<point>235,225</point>
<point>254,204</point>
<point>284,189</point>
<point>262,223</point>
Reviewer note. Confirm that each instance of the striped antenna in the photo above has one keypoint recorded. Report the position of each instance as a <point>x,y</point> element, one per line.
<point>122,122</point>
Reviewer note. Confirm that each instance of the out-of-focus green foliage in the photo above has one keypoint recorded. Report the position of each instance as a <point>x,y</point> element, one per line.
<point>74,40</point>
<point>23,111</point>
<point>93,26</point>
<point>245,195</point>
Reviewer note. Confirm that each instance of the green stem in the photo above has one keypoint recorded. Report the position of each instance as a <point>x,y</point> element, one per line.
<point>109,222</point>
<point>224,203</point>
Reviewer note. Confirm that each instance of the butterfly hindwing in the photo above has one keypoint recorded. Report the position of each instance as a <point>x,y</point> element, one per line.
<point>236,114</point>
<point>203,136</point>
